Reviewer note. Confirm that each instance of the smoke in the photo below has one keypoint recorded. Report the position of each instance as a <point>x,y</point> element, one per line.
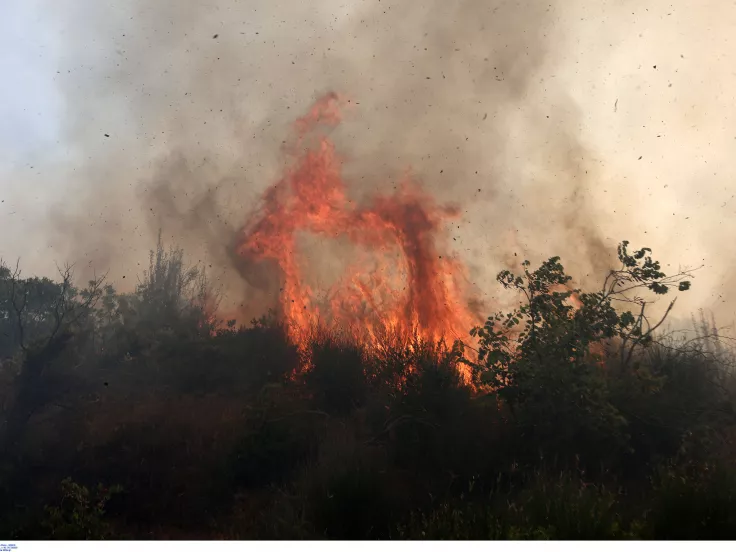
<point>558,128</point>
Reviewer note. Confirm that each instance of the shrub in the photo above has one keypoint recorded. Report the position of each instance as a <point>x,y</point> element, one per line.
<point>337,377</point>
<point>269,454</point>
<point>80,513</point>
<point>562,507</point>
<point>696,503</point>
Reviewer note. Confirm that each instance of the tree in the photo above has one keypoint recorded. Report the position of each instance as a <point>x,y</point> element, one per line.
<point>544,358</point>
<point>39,318</point>
<point>171,301</point>
<point>173,294</point>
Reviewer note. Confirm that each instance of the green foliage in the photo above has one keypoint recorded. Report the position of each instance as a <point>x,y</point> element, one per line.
<point>34,310</point>
<point>676,397</point>
<point>695,503</point>
<point>426,425</point>
<point>171,302</point>
<point>557,324</point>
<point>453,523</point>
<point>80,514</point>
<point>548,508</point>
<point>337,376</point>
<point>216,432</point>
<point>33,313</point>
<point>568,508</point>
<point>39,320</point>
<point>539,355</point>
<point>172,291</point>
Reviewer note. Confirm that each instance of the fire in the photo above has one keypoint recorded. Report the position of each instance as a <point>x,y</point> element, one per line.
<point>403,281</point>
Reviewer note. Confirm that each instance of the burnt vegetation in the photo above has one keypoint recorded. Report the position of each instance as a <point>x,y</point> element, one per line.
<point>573,416</point>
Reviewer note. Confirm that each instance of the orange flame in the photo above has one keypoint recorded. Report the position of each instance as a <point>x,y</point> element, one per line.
<point>404,280</point>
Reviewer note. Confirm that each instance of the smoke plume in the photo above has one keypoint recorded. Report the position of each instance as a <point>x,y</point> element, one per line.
<point>557,128</point>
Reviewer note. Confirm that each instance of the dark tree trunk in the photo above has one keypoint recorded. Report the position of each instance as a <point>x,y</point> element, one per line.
<point>30,396</point>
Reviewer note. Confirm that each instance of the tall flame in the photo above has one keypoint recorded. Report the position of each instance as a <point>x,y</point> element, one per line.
<point>403,281</point>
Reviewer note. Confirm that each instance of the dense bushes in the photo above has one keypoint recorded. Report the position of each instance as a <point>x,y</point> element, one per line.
<point>547,507</point>
<point>581,423</point>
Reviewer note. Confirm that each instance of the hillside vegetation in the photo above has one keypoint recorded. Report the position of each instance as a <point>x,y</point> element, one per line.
<point>141,415</point>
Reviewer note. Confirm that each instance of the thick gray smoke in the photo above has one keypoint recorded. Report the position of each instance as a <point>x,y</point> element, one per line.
<point>558,127</point>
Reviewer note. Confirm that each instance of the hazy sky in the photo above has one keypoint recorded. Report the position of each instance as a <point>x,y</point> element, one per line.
<point>556,126</point>
<point>30,104</point>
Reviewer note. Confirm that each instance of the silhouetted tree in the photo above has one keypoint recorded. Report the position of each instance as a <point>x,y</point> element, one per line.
<point>40,318</point>
<point>542,355</point>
